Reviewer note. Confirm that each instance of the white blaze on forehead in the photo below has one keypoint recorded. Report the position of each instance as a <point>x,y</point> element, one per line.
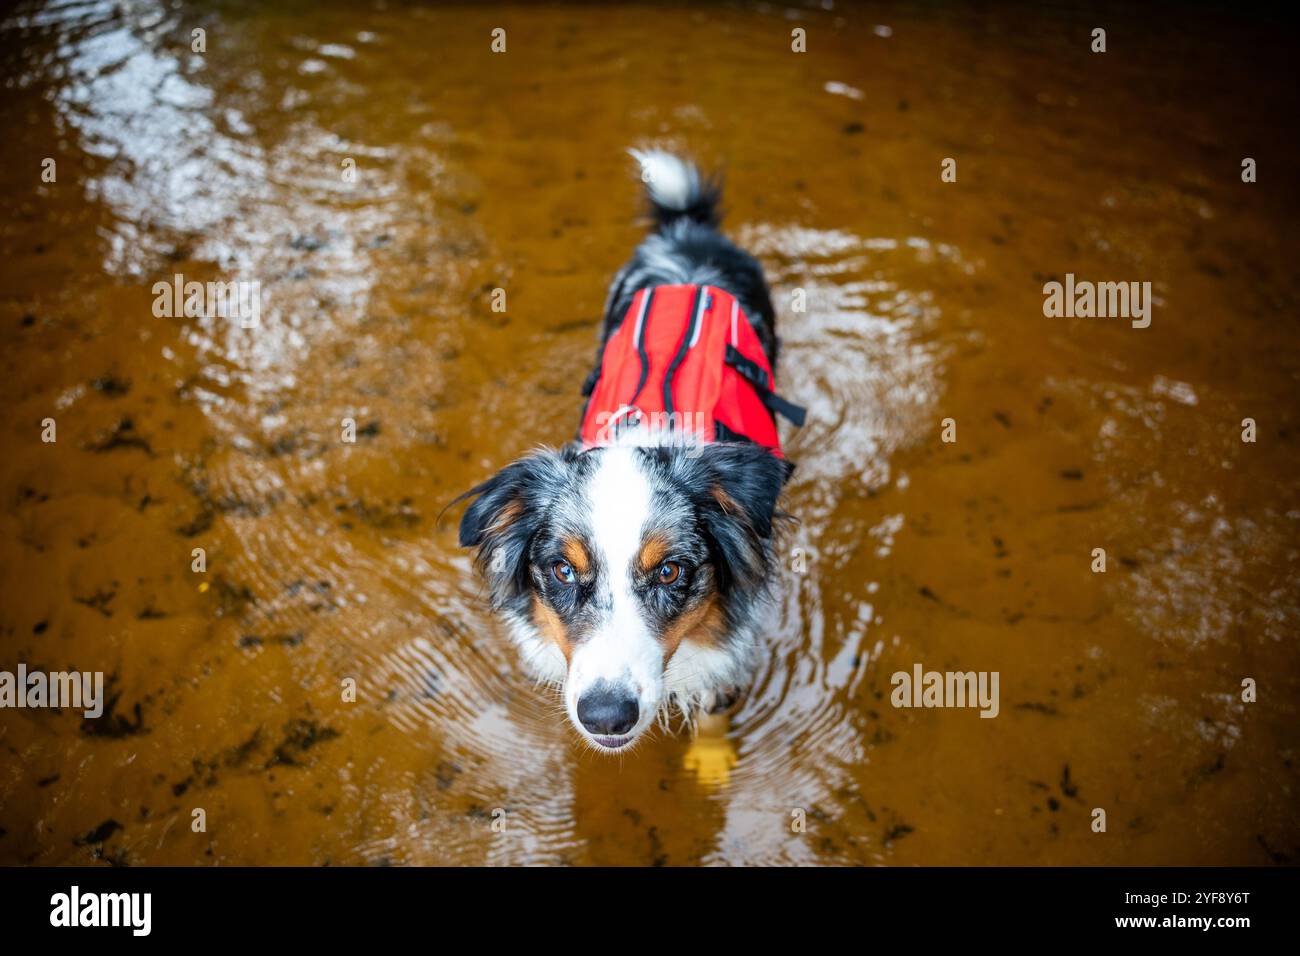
<point>620,504</point>
<point>621,649</point>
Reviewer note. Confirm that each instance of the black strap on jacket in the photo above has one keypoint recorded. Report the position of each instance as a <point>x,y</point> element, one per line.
<point>750,371</point>
<point>642,355</point>
<point>697,307</point>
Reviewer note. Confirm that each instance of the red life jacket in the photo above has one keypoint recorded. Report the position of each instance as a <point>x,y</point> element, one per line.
<point>685,359</point>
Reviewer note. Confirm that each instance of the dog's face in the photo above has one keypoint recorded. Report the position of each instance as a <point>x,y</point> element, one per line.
<point>624,570</point>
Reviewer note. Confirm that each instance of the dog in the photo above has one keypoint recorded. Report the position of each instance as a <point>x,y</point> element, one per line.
<point>634,566</point>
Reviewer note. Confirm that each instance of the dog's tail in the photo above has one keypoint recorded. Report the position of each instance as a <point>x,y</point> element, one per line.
<point>676,190</point>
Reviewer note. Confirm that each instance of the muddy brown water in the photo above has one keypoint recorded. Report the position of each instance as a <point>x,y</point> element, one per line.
<point>325,560</point>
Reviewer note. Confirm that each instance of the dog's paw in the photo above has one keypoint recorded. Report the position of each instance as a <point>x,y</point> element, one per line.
<point>711,754</point>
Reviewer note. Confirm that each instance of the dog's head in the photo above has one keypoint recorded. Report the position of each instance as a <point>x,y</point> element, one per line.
<point>615,562</point>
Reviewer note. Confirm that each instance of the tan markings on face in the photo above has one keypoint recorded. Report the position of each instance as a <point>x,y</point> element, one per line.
<point>653,551</point>
<point>702,625</point>
<point>575,552</point>
<point>549,623</point>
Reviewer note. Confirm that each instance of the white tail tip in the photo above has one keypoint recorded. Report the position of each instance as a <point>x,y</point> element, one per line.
<point>671,182</point>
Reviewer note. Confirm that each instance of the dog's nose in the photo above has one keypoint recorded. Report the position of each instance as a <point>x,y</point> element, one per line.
<point>607,711</point>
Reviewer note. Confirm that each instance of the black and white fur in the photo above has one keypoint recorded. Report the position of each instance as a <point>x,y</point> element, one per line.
<point>687,248</point>
<point>563,536</point>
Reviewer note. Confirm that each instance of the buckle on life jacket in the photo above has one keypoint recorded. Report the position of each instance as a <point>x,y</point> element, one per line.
<point>757,377</point>
<point>626,417</point>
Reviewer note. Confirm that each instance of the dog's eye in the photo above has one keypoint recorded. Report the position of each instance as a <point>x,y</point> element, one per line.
<point>564,572</point>
<point>669,572</point>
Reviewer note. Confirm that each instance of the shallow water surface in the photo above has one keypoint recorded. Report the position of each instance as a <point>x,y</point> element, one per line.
<point>326,560</point>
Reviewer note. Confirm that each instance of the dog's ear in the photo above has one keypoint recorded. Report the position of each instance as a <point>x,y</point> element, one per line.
<point>736,486</point>
<point>505,515</point>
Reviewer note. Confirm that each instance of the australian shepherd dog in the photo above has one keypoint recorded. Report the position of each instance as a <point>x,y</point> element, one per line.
<point>633,568</point>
